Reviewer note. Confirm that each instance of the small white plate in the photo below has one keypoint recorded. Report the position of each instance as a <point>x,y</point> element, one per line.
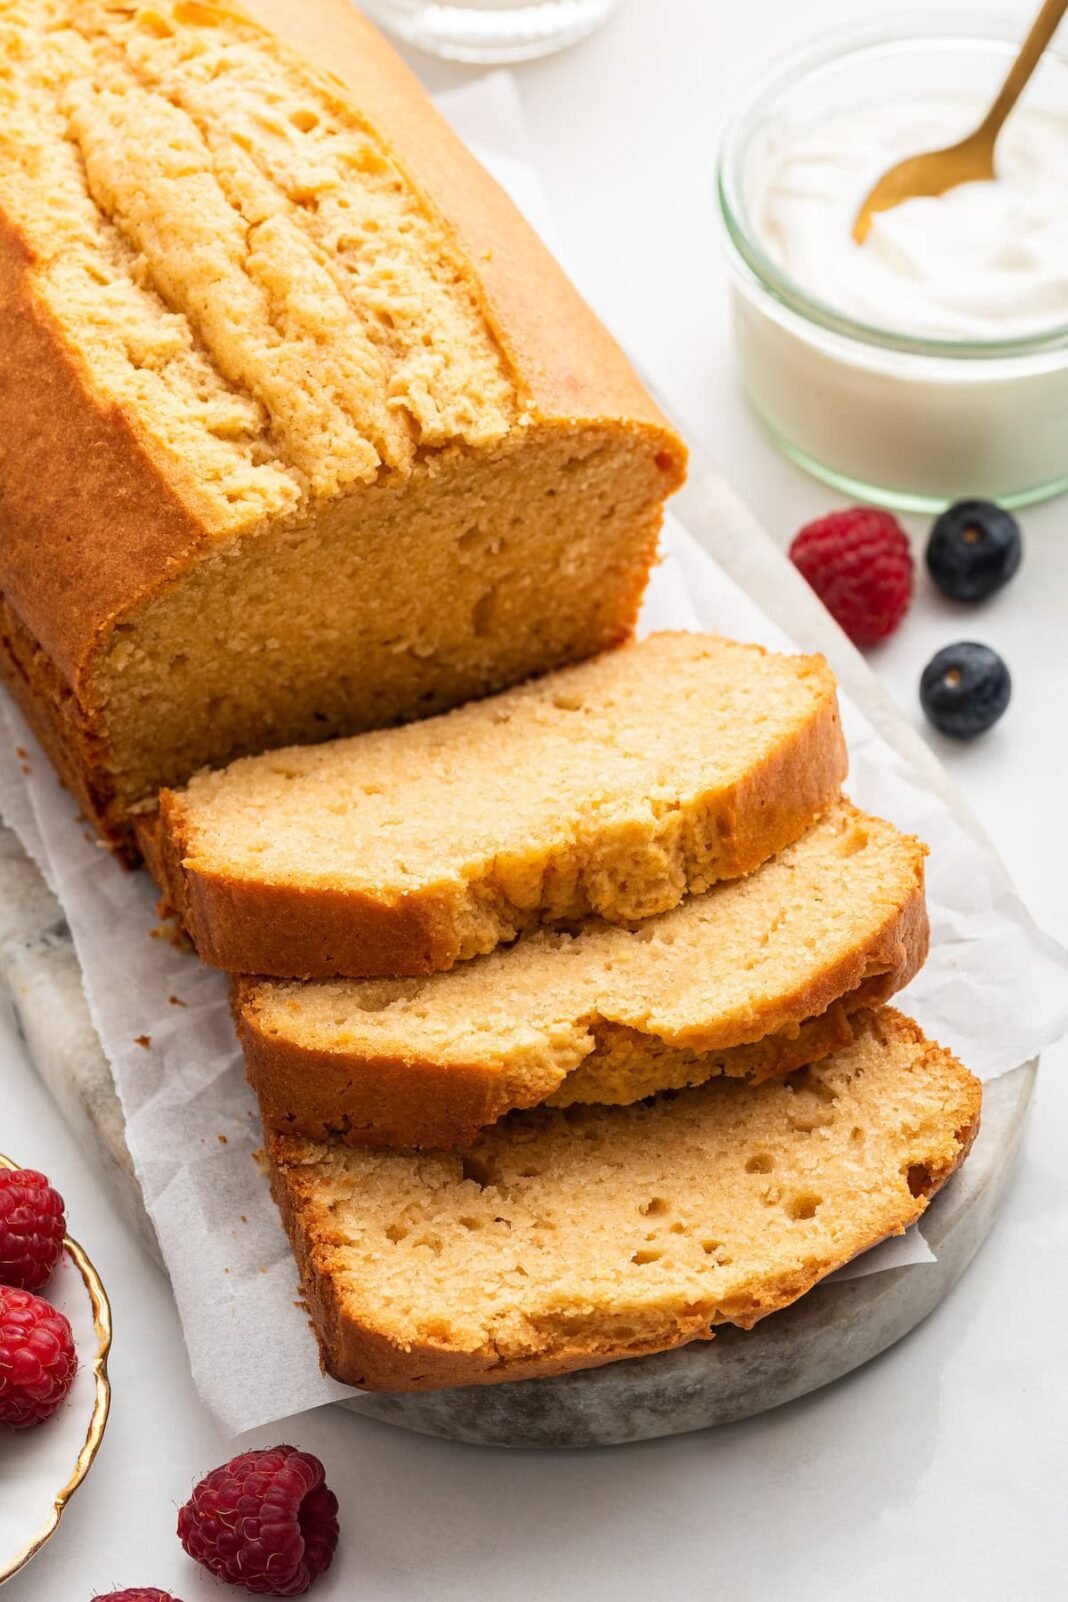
<point>41,1468</point>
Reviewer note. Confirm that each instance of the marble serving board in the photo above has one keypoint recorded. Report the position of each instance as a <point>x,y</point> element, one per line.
<point>832,1330</point>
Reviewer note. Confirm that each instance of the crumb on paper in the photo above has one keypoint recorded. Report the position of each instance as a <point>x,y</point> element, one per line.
<point>144,1041</point>
<point>21,752</point>
<point>171,932</point>
<point>176,1001</point>
<point>24,767</point>
<point>244,1218</point>
<point>224,1140</point>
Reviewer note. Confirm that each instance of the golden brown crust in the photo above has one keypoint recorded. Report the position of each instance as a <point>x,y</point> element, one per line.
<point>90,524</point>
<point>563,358</point>
<point>416,1102</point>
<point>69,735</point>
<point>87,522</point>
<point>97,520</point>
<point>367,1358</point>
<point>285,930</point>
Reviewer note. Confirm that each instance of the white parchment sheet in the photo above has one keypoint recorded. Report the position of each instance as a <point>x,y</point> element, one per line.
<point>994,990</point>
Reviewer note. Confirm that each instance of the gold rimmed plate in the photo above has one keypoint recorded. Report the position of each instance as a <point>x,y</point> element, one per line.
<point>40,1469</point>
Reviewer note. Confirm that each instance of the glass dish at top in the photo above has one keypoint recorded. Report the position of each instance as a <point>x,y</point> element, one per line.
<point>905,419</point>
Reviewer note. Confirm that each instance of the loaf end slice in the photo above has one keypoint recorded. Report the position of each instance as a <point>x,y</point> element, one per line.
<point>567,1239</point>
<point>739,981</point>
<point>609,789</point>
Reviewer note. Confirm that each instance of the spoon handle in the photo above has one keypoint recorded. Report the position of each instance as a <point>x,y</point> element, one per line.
<point>1042,30</point>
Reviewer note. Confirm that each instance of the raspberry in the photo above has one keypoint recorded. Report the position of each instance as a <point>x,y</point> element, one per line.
<point>265,1521</point>
<point>37,1358</point>
<point>32,1227</point>
<point>859,564</point>
<point>140,1593</point>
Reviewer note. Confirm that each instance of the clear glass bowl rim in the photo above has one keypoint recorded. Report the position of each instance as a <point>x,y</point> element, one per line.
<point>859,39</point>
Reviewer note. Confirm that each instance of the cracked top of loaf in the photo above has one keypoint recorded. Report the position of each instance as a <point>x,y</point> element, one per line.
<point>239,254</point>
<point>243,266</point>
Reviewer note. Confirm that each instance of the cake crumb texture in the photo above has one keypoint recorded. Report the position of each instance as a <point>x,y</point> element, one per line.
<point>612,788</point>
<point>566,1239</point>
<point>606,1014</point>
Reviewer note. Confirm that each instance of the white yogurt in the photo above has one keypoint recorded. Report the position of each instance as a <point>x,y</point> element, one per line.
<point>987,261</point>
<point>981,271</point>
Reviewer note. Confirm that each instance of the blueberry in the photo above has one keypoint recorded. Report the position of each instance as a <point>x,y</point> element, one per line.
<point>964,689</point>
<point>974,548</point>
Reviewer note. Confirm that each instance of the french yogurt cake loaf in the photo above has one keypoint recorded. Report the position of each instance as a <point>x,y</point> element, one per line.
<point>564,1239</point>
<point>754,978</point>
<point>610,788</point>
<point>303,432</point>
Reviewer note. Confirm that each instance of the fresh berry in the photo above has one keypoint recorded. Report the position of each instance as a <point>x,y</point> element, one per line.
<point>964,689</point>
<point>859,564</point>
<point>140,1593</point>
<point>974,549</point>
<point>265,1521</point>
<point>37,1358</point>
<point>32,1227</point>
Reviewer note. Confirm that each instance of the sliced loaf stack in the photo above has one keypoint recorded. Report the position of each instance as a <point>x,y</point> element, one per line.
<point>757,976</point>
<point>562,1008</point>
<point>564,1011</point>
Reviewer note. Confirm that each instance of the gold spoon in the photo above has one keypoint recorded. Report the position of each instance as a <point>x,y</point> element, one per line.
<point>973,158</point>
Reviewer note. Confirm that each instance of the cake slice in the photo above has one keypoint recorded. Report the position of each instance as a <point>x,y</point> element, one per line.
<point>753,978</point>
<point>612,788</point>
<point>566,1239</point>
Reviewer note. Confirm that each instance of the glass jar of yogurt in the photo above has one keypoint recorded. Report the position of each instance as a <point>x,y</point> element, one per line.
<point>931,362</point>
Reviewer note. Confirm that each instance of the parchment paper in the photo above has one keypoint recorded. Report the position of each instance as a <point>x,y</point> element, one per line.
<point>994,989</point>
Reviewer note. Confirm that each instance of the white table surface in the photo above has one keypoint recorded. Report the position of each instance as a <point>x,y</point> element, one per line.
<point>942,1467</point>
